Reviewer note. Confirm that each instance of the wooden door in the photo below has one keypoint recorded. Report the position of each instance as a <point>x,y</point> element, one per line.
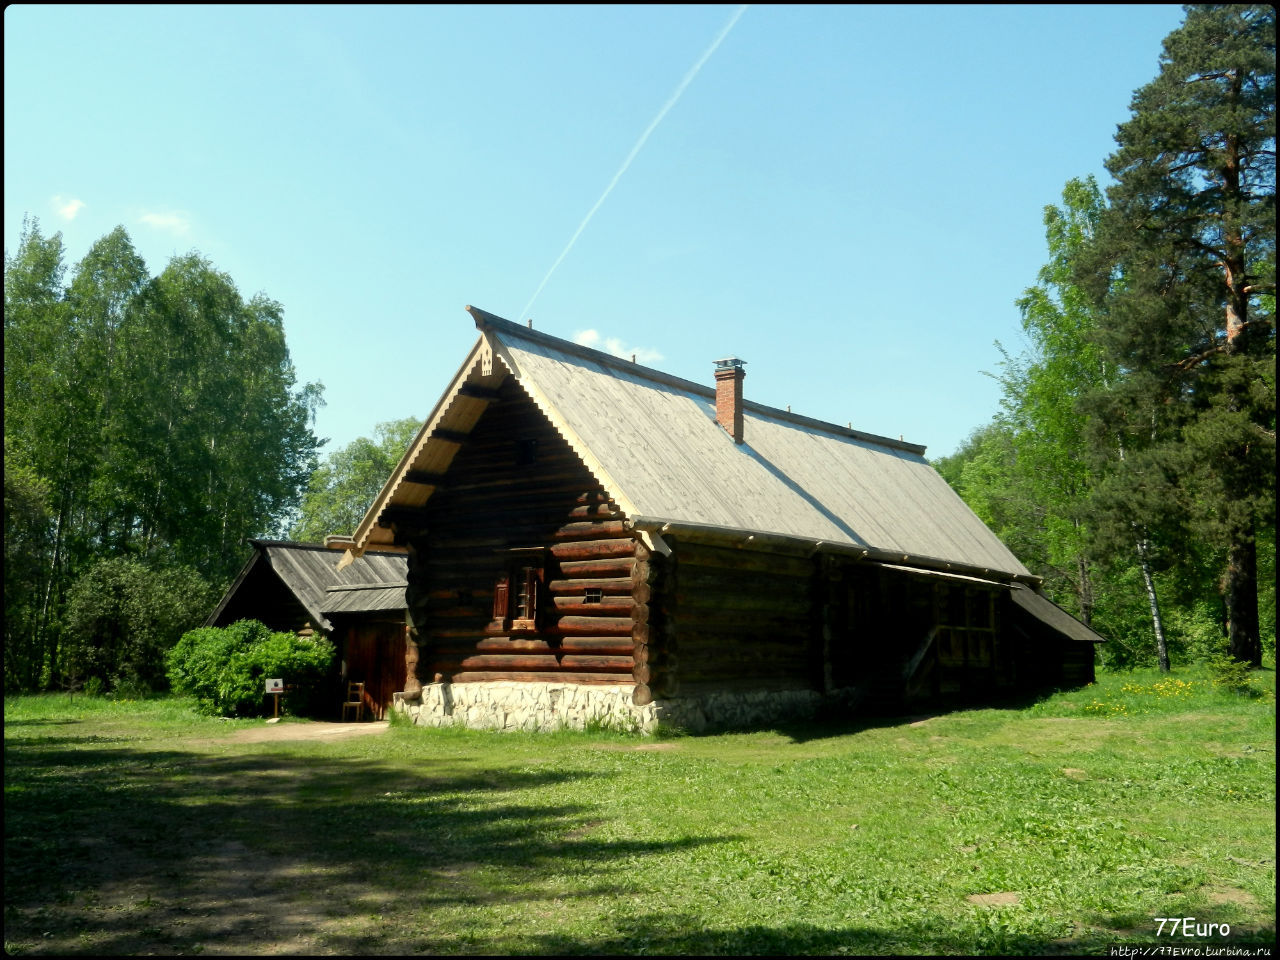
<point>374,656</point>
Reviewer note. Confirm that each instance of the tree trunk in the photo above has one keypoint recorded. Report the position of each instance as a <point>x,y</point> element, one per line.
<point>1162,649</point>
<point>1240,594</point>
<point>1084,589</point>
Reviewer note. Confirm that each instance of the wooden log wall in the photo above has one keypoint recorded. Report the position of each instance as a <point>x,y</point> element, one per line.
<point>879,620</point>
<point>744,620</point>
<point>1077,663</point>
<point>492,501</point>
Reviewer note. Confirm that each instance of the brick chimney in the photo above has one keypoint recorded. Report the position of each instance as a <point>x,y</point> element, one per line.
<point>729,374</point>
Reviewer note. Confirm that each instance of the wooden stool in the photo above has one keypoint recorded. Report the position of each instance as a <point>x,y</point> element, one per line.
<point>354,702</point>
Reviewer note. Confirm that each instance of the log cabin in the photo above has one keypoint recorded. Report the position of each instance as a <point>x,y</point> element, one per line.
<point>299,588</point>
<point>590,540</point>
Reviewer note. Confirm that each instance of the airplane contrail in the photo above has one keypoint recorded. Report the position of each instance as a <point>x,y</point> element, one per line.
<point>666,108</point>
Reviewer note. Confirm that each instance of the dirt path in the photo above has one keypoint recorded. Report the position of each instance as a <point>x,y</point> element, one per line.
<point>270,732</point>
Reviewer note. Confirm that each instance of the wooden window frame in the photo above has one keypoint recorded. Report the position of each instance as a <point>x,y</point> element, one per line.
<point>519,593</point>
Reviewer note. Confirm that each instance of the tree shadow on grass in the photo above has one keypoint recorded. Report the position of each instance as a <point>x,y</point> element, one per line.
<point>119,850</point>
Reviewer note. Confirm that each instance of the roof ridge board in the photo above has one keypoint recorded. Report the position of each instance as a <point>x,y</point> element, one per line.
<point>488,322</point>
<point>290,543</point>
<point>844,433</point>
<point>296,545</point>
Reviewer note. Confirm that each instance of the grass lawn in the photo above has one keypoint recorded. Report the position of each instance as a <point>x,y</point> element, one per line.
<point>1060,827</point>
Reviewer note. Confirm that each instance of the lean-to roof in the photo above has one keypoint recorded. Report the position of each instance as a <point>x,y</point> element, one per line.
<point>1053,616</point>
<point>652,441</point>
<point>323,584</point>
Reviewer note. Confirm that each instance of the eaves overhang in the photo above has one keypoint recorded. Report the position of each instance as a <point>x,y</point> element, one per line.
<point>810,546</point>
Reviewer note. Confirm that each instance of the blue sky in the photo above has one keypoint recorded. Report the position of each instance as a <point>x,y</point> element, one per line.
<point>850,198</point>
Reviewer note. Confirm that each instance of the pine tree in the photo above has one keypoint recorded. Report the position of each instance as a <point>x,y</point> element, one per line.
<point>1182,273</point>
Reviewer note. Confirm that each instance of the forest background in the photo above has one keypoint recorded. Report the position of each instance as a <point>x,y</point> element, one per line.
<point>153,424</point>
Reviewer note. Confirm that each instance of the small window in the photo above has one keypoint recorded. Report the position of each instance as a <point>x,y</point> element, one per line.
<point>518,594</point>
<point>593,595</point>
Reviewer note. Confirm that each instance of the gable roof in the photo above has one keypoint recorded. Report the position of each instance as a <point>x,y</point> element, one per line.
<point>320,581</point>
<point>653,443</point>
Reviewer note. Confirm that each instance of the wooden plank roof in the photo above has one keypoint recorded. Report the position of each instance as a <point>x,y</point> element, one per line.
<point>374,581</point>
<point>1053,616</point>
<point>652,441</point>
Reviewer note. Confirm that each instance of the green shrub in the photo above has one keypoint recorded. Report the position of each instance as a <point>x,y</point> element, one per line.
<point>1233,675</point>
<point>121,618</point>
<point>225,668</point>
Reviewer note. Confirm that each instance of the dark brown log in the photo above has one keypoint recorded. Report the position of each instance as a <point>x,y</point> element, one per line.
<point>476,632</point>
<point>609,586</point>
<point>473,483</point>
<point>612,646</point>
<point>642,552</point>
<point>423,478</point>
<point>653,656</point>
<point>700,555</point>
<point>732,649</point>
<point>524,663</point>
<point>596,663</point>
<point>585,678</point>
<point>458,612</point>
<point>666,685</point>
<point>640,612</point>
<point>642,673</point>
<point>642,593</point>
<point>746,623</point>
<point>515,663</point>
<point>613,567</point>
<point>478,392</point>
<point>591,646</point>
<point>591,530</point>
<point>712,582</point>
<point>608,606</point>
<point>407,518</point>
<point>641,695</point>
<point>593,626</point>
<point>450,436</point>
<point>592,550</point>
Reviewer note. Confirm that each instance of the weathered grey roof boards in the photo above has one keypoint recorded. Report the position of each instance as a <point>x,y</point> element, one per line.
<point>374,582</point>
<point>653,442</point>
<point>1052,615</point>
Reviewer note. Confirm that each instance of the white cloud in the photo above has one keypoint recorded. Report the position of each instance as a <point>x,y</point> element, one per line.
<point>67,207</point>
<point>175,223</point>
<point>615,346</point>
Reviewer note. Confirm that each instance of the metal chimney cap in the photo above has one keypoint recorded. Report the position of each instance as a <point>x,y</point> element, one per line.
<point>730,363</point>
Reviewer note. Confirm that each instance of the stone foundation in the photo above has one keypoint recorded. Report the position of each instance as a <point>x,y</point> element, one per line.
<point>512,705</point>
